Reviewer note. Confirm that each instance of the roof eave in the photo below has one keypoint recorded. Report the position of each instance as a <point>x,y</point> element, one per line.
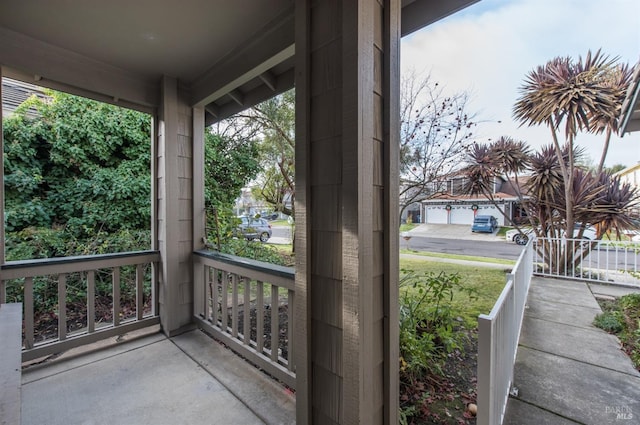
<point>630,111</point>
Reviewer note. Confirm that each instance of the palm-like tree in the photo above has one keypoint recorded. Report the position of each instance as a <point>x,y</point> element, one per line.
<point>583,95</point>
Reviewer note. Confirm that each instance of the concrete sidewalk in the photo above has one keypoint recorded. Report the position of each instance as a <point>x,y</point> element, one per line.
<point>568,371</point>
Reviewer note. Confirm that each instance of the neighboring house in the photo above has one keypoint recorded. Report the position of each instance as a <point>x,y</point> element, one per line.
<point>14,93</point>
<point>246,204</point>
<point>454,206</point>
<point>452,184</point>
<point>631,175</point>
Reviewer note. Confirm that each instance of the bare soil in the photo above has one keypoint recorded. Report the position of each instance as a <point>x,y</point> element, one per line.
<point>444,399</point>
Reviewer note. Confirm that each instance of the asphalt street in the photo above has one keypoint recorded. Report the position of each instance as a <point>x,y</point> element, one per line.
<point>490,249</point>
<point>451,239</point>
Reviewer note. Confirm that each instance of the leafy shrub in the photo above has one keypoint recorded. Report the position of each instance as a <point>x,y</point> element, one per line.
<point>427,324</point>
<point>622,317</point>
<point>609,321</point>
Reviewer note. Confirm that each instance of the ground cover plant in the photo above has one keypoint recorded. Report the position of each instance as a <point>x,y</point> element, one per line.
<point>621,317</point>
<point>439,306</point>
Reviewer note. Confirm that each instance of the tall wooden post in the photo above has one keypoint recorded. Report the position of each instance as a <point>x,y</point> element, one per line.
<point>2,258</point>
<point>174,189</point>
<point>347,106</point>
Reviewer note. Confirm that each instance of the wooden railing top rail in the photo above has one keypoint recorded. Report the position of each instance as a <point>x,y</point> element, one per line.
<point>253,269</point>
<point>46,266</point>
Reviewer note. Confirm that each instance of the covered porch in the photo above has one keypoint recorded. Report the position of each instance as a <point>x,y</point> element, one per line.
<point>150,378</point>
<point>189,65</point>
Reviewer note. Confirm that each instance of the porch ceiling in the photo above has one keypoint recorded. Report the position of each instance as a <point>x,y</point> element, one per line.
<point>228,55</point>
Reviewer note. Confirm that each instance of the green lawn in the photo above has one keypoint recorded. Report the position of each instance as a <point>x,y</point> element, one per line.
<point>459,257</point>
<point>488,284</point>
<point>407,227</point>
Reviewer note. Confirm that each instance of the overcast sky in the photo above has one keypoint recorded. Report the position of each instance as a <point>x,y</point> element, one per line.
<point>488,48</point>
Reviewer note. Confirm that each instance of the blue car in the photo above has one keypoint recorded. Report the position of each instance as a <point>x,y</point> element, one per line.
<point>484,223</point>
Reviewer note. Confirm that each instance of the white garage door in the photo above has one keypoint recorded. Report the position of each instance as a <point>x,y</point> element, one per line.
<point>491,210</point>
<point>462,214</point>
<point>436,215</point>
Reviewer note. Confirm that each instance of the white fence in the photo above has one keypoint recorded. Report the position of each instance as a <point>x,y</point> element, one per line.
<point>498,334</point>
<point>596,261</point>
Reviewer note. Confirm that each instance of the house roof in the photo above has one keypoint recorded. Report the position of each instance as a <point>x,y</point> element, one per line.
<point>228,55</point>
<point>628,170</point>
<point>14,93</point>
<point>499,196</point>
<point>630,112</point>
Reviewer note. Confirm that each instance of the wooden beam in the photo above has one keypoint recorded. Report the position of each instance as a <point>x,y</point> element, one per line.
<point>213,110</point>
<point>284,82</point>
<point>237,97</point>
<point>71,72</point>
<point>420,13</point>
<point>269,79</point>
<point>247,62</point>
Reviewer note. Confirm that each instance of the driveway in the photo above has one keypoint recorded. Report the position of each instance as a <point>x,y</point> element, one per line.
<point>452,231</point>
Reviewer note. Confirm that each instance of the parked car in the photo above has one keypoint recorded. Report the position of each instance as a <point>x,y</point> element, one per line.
<point>526,233</point>
<point>520,237</point>
<point>253,228</point>
<point>484,223</point>
<point>269,215</point>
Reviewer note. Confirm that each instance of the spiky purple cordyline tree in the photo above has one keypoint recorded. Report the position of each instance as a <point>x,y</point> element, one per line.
<point>568,97</point>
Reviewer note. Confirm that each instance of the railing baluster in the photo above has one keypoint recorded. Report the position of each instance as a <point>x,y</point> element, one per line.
<point>207,293</point>
<point>260,317</point>
<point>246,332</point>
<point>28,312</point>
<point>115,280</point>
<point>216,296</point>
<point>62,306</point>
<point>71,269</point>
<point>262,277</point>
<point>224,307</point>
<point>290,300</point>
<point>275,324</point>
<point>91,301</point>
<point>234,305</point>
<point>139,292</point>
<point>155,303</point>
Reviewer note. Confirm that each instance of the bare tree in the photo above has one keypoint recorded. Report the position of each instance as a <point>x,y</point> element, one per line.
<point>435,132</point>
<point>272,124</point>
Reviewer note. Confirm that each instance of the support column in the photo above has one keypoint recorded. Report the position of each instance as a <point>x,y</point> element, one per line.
<point>2,257</point>
<point>174,207</point>
<point>347,97</point>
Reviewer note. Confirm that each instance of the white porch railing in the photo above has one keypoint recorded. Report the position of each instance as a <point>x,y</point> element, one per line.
<point>52,282</point>
<point>498,334</point>
<point>247,305</point>
<point>601,261</point>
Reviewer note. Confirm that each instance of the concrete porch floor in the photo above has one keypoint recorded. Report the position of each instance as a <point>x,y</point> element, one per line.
<point>188,379</point>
